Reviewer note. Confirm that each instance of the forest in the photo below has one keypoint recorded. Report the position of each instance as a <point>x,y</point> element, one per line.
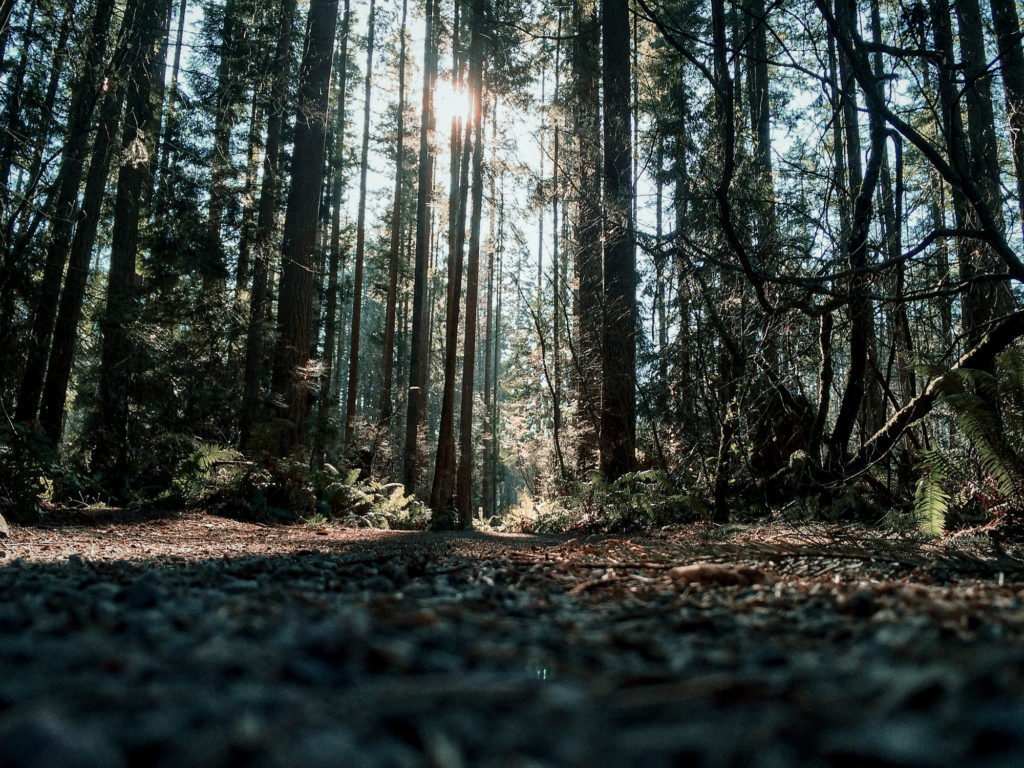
<point>511,384</point>
<point>547,265</point>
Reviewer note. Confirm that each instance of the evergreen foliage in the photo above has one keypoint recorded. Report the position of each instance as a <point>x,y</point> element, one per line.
<point>745,257</point>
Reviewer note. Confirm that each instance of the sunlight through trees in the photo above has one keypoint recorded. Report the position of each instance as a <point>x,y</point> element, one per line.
<point>514,254</point>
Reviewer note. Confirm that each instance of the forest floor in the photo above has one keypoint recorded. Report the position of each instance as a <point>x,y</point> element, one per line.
<point>194,640</point>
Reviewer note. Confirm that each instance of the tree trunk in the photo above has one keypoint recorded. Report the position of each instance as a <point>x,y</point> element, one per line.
<point>1011,59</point>
<point>985,300</point>
<point>65,332</point>
<point>6,9</point>
<point>417,362</point>
<point>442,491</point>
<point>496,366</point>
<point>85,92</point>
<point>587,236</point>
<point>662,275</point>
<point>291,372</point>
<point>47,112</point>
<point>252,403</point>
<point>464,478</point>
<point>556,385</point>
<point>760,118</point>
<point>858,379</point>
<point>618,390</point>
<point>152,138</point>
<point>331,360</point>
<point>357,279</point>
<point>224,118</point>
<point>13,134</point>
<point>249,210</point>
<point>171,114</point>
<point>386,406</point>
<point>891,204</point>
<point>489,342</point>
<point>953,131</point>
<point>117,360</point>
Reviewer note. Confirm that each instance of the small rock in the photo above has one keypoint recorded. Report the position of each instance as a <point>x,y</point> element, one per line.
<point>76,561</point>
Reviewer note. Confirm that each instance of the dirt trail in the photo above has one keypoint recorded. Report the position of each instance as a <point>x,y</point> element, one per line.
<point>196,640</point>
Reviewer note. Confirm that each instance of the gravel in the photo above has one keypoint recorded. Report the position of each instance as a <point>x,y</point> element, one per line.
<point>331,659</point>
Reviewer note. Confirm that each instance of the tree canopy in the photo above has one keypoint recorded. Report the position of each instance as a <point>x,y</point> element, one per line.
<point>603,263</point>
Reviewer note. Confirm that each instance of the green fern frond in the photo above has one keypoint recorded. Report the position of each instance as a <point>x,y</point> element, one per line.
<point>985,383</point>
<point>980,424</point>
<point>938,463</point>
<point>931,501</point>
<point>975,416</point>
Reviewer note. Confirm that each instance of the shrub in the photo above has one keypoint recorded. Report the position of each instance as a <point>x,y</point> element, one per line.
<point>26,460</point>
<point>637,501</point>
<point>289,490</point>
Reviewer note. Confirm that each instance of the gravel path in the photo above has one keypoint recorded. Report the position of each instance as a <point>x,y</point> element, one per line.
<point>164,648</point>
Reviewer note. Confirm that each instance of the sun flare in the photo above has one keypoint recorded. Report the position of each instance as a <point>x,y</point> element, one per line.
<point>449,103</point>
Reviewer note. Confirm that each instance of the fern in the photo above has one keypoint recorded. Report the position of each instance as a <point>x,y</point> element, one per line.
<point>974,397</point>
<point>980,424</point>
<point>931,500</point>
<point>984,383</point>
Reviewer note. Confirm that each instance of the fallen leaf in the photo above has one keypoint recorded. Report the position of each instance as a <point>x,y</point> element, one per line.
<point>721,575</point>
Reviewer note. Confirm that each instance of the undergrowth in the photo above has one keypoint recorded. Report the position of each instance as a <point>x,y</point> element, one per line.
<point>25,463</point>
<point>983,481</point>
<point>637,501</point>
<point>289,490</point>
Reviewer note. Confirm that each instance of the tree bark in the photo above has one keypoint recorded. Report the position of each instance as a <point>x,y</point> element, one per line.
<point>85,93</point>
<point>556,298</point>
<point>618,390</point>
<point>860,308</point>
<point>117,359</point>
<point>386,406</point>
<point>171,112</point>
<point>331,360</point>
<point>587,235</point>
<point>65,332</point>
<point>464,477</point>
<point>224,118</point>
<point>6,9</point>
<point>291,371</point>
<point>252,403</point>
<point>489,342</point>
<point>13,134</point>
<point>357,279</point>
<point>442,492</point>
<point>760,118</point>
<point>42,136</point>
<point>420,326</point>
<point>1011,59</point>
<point>985,300</point>
<point>496,352</point>
<point>249,209</point>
